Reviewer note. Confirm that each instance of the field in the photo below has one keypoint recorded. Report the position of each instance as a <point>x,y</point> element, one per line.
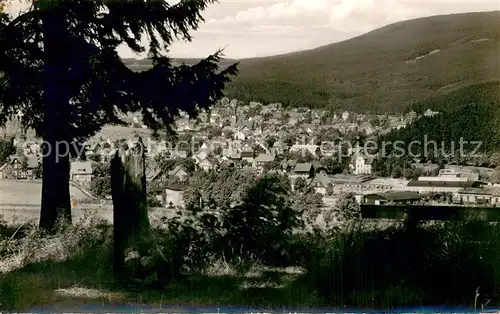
<point>28,192</point>
<point>20,200</point>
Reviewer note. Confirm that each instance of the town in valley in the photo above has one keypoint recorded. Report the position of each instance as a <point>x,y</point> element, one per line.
<point>305,144</point>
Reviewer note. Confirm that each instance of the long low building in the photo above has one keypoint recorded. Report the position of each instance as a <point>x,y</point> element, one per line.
<point>393,197</point>
<point>441,186</point>
<point>485,196</point>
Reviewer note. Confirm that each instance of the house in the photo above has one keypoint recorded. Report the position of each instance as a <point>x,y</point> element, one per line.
<point>176,153</point>
<point>361,164</point>
<point>240,135</point>
<point>368,128</point>
<point>158,175</point>
<point>426,168</point>
<point>263,159</point>
<point>247,126</point>
<point>307,128</point>
<point>321,183</point>
<point>81,172</point>
<point>278,148</point>
<point>19,167</point>
<point>305,170</point>
<point>202,154</point>
<point>460,172</point>
<point>179,173</point>
<point>318,167</point>
<point>392,198</point>
<point>206,164</point>
<point>93,150</point>
<point>153,175</point>
<point>248,154</point>
<point>452,175</point>
<point>478,196</point>
<point>398,125</point>
<point>345,115</point>
<point>288,165</point>
<point>174,195</point>
<point>313,149</point>
<point>429,113</point>
<point>231,153</point>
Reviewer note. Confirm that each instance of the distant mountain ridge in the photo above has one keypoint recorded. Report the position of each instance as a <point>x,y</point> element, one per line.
<point>383,71</point>
<point>144,64</point>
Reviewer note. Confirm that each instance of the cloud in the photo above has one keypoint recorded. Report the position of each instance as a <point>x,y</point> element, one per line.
<point>362,15</point>
<point>263,27</point>
<point>273,24</point>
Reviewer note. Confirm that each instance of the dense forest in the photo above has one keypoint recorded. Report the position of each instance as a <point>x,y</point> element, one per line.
<point>383,71</point>
<point>471,113</point>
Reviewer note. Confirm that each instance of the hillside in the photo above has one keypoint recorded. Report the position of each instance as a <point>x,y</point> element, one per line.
<point>471,113</point>
<point>385,70</point>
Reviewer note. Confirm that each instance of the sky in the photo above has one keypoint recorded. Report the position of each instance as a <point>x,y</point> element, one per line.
<point>256,28</point>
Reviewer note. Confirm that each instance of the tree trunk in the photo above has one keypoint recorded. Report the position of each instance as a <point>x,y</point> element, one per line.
<point>55,191</point>
<point>131,229</point>
<point>55,181</point>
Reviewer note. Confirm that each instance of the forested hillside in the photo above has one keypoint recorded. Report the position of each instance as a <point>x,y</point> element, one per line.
<point>383,71</point>
<point>471,113</point>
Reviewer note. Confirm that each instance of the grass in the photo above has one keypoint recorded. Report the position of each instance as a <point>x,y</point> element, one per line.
<point>27,192</point>
<point>74,268</point>
<point>353,269</point>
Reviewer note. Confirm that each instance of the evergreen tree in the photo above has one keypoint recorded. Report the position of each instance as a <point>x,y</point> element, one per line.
<point>61,69</point>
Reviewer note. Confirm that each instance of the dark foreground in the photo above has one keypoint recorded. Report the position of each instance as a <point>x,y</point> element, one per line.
<point>226,309</point>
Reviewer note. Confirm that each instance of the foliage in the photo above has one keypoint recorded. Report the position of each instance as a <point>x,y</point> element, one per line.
<point>225,187</point>
<point>270,140</point>
<point>153,201</point>
<point>259,226</point>
<point>125,89</point>
<point>347,209</point>
<point>192,197</point>
<point>468,116</point>
<point>6,150</point>
<point>61,69</point>
<point>309,204</point>
<point>188,164</point>
<point>37,172</point>
<point>165,164</point>
<point>100,185</point>
<point>229,133</point>
<point>429,265</point>
<point>214,132</point>
<point>332,165</point>
<point>299,184</point>
<point>249,218</point>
